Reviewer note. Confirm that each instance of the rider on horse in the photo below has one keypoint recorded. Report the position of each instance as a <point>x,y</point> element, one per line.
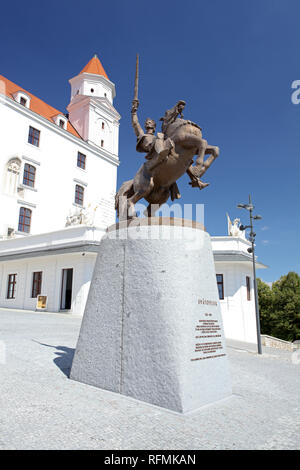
<point>169,155</point>
<point>157,147</point>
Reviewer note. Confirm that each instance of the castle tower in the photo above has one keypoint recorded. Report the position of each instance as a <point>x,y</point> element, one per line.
<point>91,109</point>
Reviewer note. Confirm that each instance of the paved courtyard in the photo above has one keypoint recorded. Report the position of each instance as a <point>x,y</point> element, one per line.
<point>42,409</point>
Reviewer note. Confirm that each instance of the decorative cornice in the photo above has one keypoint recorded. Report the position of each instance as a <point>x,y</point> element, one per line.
<point>31,160</point>
<point>84,246</point>
<point>80,182</point>
<point>24,203</point>
<point>236,257</point>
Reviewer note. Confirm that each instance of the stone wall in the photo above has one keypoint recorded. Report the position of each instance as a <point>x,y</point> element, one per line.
<point>271,342</point>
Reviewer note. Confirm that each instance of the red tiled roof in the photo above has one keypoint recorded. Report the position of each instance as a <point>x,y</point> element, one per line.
<point>36,105</point>
<point>94,66</point>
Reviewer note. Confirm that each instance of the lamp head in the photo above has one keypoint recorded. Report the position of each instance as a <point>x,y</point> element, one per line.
<point>248,207</point>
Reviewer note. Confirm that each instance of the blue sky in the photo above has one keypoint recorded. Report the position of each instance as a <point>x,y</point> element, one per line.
<point>233,63</point>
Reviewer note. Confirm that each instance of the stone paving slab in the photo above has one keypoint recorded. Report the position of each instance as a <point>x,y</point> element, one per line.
<point>40,408</point>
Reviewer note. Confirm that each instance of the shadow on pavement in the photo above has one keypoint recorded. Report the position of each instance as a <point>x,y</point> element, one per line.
<point>64,357</point>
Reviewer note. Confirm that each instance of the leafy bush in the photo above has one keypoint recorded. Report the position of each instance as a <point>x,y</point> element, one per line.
<point>279,307</point>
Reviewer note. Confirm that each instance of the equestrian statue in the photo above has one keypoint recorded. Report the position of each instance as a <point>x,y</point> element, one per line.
<point>169,155</point>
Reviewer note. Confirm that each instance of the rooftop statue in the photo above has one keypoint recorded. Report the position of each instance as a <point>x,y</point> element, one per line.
<point>234,228</point>
<point>169,155</point>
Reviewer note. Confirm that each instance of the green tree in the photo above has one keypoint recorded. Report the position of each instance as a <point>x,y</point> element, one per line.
<point>280,307</point>
<point>266,301</point>
<point>286,305</point>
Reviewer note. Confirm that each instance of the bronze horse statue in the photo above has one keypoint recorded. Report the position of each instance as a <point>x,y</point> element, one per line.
<point>169,155</point>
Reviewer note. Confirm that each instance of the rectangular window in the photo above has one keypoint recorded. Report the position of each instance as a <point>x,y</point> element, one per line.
<point>248,286</point>
<point>220,284</point>
<point>11,286</point>
<point>36,284</point>
<point>24,220</point>
<point>34,136</point>
<point>102,143</point>
<point>61,123</point>
<point>81,159</point>
<point>23,101</point>
<point>29,175</point>
<point>79,193</point>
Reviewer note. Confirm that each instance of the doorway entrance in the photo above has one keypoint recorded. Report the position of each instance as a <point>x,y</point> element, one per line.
<point>66,289</point>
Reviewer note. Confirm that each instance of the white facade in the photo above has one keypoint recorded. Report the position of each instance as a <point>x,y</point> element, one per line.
<point>51,198</point>
<point>234,263</point>
<point>73,248</point>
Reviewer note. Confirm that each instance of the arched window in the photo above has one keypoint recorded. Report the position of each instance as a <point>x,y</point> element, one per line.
<point>79,193</point>
<point>29,175</point>
<point>12,175</point>
<point>24,220</point>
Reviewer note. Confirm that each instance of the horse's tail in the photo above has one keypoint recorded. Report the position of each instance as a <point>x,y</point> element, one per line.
<point>125,191</point>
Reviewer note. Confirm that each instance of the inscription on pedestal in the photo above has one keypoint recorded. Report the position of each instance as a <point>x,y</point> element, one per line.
<point>208,329</point>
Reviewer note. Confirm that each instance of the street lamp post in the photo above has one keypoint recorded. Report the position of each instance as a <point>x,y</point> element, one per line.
<point>249,207</point>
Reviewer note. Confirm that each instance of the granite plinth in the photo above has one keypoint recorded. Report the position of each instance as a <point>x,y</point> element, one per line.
<point>152,327</point>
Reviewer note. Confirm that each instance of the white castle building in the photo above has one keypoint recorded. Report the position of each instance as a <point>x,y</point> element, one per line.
<point>58,175</point>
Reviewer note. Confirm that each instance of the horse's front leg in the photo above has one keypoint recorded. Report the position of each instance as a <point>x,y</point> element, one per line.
<point>196,171</point>
<point>201,151</point>
<point>195,141</point>
<point>201,166</point>
<point>213,151</point>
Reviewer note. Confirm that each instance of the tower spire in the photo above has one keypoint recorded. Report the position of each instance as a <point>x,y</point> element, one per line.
<point>94,66</point>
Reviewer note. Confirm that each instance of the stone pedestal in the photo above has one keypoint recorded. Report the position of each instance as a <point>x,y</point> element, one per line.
<point>152,328</point>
